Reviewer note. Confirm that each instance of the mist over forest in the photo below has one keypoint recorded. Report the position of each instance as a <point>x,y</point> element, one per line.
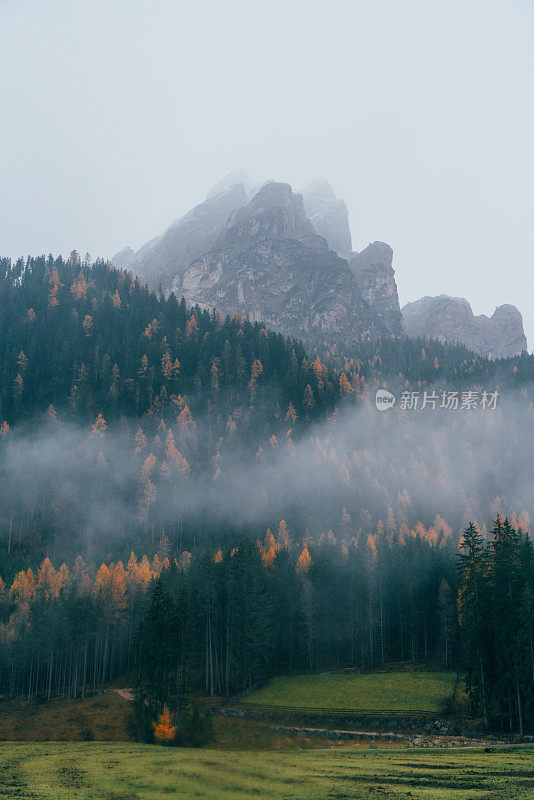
<point>266,400</point>
<point>409,465</point>
<point>174,481</point>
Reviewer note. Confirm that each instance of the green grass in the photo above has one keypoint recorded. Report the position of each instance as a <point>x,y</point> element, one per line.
<point>102,718</point>
<point>105,718</point>
<point>398,691</point>
<point>119,771</point>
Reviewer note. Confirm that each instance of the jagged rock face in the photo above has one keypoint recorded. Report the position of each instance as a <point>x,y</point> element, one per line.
<point>328,215</point>
<point>270,264</point>
<point>159,261</point>
<point>451,319</point>
<point>503,332</point>
<point>375,278</point>
<point>273,213</point>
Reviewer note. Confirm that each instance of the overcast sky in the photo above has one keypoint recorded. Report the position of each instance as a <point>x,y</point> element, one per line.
<point>118,116</point>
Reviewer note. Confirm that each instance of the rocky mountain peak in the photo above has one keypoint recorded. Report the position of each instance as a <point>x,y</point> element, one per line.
<point>123,258</point>
<point>377,255</point>
<point>274,213</point>
<point>166,256</point>
<point>503,332</point>
<point>270,264</point>
<point>285,258</point>
<point>451,319</point>
<point>375,277</point>
<point>328,214</point>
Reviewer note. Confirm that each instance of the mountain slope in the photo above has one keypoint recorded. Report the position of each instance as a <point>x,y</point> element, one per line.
<point>270,264</point>
<point>159,261</point>
<point>90,339</point>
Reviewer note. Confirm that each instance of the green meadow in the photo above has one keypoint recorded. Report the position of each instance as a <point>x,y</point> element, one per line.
<point>395,691</point>
<point>124,771</point>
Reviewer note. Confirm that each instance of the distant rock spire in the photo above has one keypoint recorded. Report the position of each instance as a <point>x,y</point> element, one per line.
<point>375,277</point>
<point>328,215</point>
<point>451,319</point>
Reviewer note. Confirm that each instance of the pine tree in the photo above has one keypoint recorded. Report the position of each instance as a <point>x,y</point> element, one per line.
<point>474,618</point>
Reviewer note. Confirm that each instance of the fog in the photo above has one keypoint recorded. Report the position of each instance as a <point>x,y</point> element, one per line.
<point>119,115</point>
<point>462,465</point>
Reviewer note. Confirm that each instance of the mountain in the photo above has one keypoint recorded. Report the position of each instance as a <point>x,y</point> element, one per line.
<point>451,319</point>
<point>329,215</point>
<point>295,271</point>
<point>286,259</point>
<point>163,258</point>
<point>375,278</point>
<point>270,264</point>
<point>372,267</point>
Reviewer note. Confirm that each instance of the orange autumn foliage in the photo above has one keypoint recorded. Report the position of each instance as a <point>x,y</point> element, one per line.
<point>164,731</point>
<point>304,561</point>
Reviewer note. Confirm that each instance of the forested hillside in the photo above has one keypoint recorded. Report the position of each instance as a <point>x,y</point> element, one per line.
<point>127,416</point>
<point>286,523</point>
<point>90,339</point>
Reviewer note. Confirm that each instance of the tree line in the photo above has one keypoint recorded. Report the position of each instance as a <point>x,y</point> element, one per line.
<point>496,615</point>
<point>238,614</point>
<point>214,622</point>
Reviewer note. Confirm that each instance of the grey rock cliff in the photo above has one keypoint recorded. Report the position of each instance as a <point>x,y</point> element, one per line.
<point>159,261</point>
<point>270,264</point>
<point>328,215</point>
<point>451,319</point>
<point>503,332</point>
<point>286,259</point>
<point>375,278</point>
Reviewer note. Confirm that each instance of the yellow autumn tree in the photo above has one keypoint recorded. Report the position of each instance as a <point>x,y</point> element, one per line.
<point>255,372</point>
<point>304,561</point>
<point>18,385</point>
<point>283,534</point>
<point>344,384</point>
<point>164,730</point>
<point>22,362</point>
<point>79,287</point>
<point>291,414</point>
<point>192,327</point>
<point>99,427</point>
<point>309,400</point>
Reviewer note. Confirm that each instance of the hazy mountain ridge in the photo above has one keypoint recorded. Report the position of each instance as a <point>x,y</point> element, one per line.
<point>270,265</point>
<point>451,319</point>
<point>286,259</point>
<point>329,215</point>
<point>161,259</point>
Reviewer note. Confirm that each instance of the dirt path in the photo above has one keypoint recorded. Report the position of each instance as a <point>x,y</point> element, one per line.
<point>412,740</point>
<point>126,693</point>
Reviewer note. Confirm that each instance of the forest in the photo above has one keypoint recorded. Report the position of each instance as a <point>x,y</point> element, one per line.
<point>215,623</point>
<point>201,503</point>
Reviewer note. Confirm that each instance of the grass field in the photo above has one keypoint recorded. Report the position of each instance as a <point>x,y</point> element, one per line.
<point>102,718</point>
<point>105,718</point>
<point>399,691</point>
<point>57,771</point>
